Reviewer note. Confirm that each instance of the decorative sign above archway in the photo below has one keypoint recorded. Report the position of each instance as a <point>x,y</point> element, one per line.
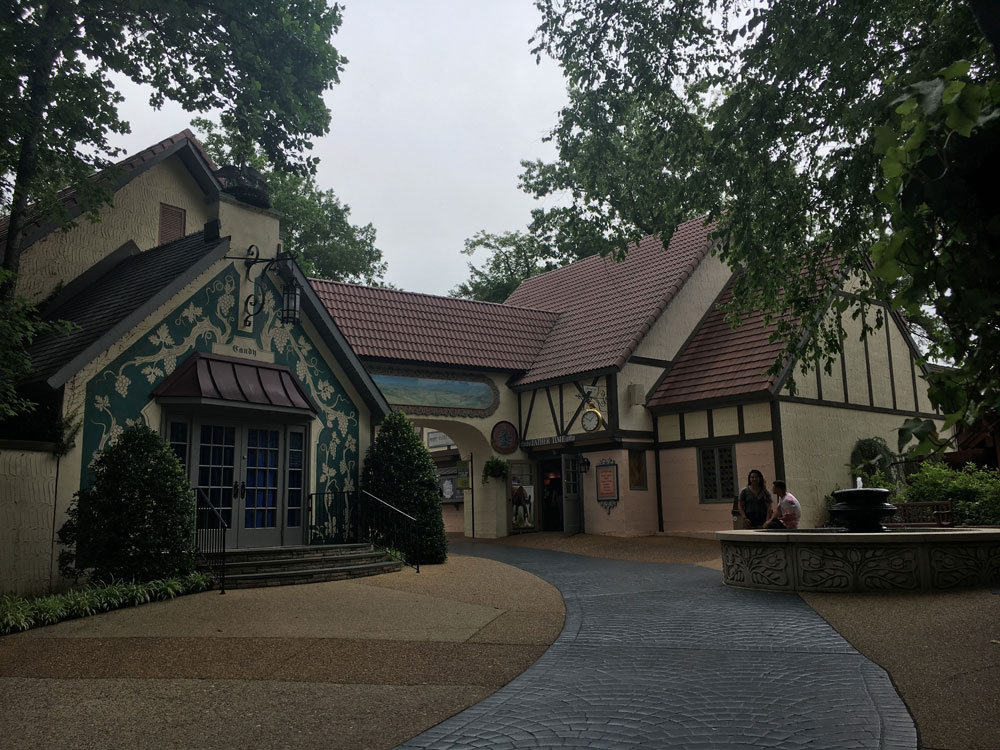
<point>437,394</point>
<point>503,438</point>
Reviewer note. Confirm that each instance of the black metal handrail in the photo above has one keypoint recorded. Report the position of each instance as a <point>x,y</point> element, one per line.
<point>361,517</point>
<point>210,538</point>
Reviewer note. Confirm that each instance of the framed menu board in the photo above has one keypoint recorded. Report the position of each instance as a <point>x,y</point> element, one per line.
<point>607,482</point>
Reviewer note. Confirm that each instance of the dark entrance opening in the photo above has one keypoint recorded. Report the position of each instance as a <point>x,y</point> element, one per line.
<point>550,478</point>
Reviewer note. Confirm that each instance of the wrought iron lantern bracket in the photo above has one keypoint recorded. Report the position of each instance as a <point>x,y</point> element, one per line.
<point>291,298</point>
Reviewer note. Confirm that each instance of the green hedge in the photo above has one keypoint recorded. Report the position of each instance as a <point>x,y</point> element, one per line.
<point>19,613</point>
<point>974,491</point>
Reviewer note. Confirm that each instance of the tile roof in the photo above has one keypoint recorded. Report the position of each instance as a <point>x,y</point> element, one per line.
<point>112,297</point>
<point>391,324</point>
<point>586,316</point>
<point>121,171</point>
<point>606,307</point>
<point>719,361</point>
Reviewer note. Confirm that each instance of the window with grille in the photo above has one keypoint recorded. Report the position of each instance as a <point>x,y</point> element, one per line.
<point>171,223</point>
<point>717,474</point>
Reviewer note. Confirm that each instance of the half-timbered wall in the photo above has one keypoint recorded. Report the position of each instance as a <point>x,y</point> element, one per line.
<point>551,414</point>
<point>743,428</point>
<point>879,372</point>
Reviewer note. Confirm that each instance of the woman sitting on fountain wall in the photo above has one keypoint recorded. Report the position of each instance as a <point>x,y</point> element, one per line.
<point>787,511</point>
<point>754,502</point>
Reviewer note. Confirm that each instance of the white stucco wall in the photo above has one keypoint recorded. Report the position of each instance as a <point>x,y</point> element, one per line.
<point>134,214</point>
<point>27,507</point>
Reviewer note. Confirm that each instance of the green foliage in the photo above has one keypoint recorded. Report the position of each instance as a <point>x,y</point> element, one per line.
<point>20,324</point>
<point>870,456</point>
<point>136,519</point>
<point>773,120</point>
<point>938,258</point>
<point>315,222</point>
<point>975,492</point>
<point>495,467</point>
<point>19,613</point>
<point>399,470</point>
<point>513,257</point>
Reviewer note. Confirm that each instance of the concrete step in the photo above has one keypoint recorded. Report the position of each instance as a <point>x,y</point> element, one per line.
<point>293,576</point>
<point>278,564</point>
<point>292,553</point>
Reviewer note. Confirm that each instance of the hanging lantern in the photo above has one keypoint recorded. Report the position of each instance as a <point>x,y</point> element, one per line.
<point>291,303</point>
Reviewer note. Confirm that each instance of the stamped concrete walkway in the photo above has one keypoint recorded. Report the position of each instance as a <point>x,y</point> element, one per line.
<point>665,656</point>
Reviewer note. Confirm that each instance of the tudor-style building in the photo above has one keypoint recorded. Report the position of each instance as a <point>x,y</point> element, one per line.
<point>183,324</point>
<point>623,401</point>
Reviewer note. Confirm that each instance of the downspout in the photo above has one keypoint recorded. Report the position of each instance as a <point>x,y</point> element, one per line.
<point>472,493</point>
<point>656,469</point>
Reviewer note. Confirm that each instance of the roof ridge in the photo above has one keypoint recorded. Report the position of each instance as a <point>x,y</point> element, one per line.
<point>502,305</point>
<point>118,169</point>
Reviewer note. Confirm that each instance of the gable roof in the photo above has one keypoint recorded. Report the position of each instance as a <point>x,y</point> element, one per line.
<point>391,324</point>
<point>719,361</point>
<point>606,307</point>
<point>115,298</point>
<point>182,144</point>
<point>584,317</point>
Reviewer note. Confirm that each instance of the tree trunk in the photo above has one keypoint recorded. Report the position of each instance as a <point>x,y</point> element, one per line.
<point>37,94</point>
<point>987,14</point>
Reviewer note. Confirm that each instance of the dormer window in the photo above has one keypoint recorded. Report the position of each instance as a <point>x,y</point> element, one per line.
<point>171,223</point>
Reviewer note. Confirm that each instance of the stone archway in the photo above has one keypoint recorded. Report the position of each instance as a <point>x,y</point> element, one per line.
<point>485,513</point>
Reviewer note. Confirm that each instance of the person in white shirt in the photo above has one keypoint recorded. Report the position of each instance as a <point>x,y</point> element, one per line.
<point>787,511</point>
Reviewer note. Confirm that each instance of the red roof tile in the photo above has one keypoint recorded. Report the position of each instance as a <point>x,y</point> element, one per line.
<point>586,316</point>
<point>606,307</point>
<point>720,361</point>
<point>390,324</point>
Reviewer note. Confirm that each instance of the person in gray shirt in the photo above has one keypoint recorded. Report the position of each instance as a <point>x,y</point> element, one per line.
<point>754,502</point>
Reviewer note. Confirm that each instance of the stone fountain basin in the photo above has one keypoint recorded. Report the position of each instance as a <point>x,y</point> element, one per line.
<point>827,560</point>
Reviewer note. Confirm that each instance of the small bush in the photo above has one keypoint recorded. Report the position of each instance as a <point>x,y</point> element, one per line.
<point>136,520</point>
<point>975,492</point>
<point>19,613</point>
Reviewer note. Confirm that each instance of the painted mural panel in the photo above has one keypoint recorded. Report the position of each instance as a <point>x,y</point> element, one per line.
<point>116,396</point>
<point>426,394</point>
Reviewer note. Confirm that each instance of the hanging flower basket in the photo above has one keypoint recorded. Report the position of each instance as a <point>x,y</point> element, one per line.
<point>494,467</point>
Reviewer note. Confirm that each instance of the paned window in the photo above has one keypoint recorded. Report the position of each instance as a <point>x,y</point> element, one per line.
<point>571,482</point>
<point>171,223</point>
<point>261,500</point>
<point>178,438</point>
<point>296,452</point>
<point>717,472</point>
<point>637,470</point>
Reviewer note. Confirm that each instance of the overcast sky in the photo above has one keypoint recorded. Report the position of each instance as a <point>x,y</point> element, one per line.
<point>439,103</point>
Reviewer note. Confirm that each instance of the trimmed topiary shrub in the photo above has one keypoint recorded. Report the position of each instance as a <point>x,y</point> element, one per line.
<point>135,522</point>
<point>400,471</point>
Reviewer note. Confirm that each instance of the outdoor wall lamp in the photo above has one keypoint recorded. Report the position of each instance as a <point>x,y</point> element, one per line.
<point>584,464</point>
<point>291,298</point>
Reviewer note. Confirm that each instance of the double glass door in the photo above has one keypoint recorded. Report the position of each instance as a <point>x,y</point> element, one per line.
<point>253,477</point>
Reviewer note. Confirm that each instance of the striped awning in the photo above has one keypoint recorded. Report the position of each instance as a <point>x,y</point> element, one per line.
<point>214,378</point>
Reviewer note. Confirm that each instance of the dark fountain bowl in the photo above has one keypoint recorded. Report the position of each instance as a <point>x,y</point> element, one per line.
<point>861,509</point>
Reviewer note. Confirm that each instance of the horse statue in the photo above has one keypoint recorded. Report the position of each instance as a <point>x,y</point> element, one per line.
<point>520,499</point>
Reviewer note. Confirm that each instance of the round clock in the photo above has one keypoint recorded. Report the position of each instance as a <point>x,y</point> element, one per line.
<point>591,419</point>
